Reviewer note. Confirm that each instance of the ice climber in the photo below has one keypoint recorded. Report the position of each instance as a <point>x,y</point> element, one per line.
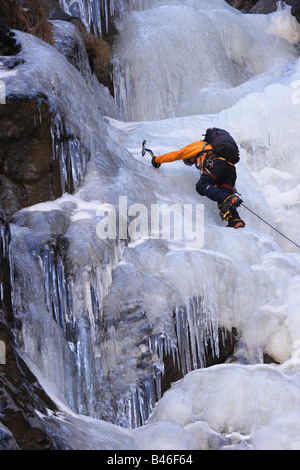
<point>218,174</point>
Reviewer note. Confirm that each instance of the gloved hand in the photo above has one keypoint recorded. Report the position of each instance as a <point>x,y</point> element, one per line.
<point>189,161</point>
<point>156,165</point>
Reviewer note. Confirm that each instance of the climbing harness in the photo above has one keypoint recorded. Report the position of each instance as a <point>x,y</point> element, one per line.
<point>280,233</point>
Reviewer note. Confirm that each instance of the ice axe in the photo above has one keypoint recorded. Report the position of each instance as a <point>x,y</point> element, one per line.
<point>144,150</point>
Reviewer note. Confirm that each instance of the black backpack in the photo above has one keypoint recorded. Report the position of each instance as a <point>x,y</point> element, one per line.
<point>223,144</point>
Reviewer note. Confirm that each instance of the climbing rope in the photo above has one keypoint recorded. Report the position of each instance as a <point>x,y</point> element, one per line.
<point>270,225</point>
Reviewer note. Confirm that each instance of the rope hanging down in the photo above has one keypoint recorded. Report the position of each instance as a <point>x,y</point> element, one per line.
<point>270,225</point>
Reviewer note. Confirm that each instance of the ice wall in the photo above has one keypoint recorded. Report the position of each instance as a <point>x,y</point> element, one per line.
<point>247,407</point>
<point>63,271</point>
<point>78,300</point>
<point>210,70</point>
<point>95,317</point>
<point>252,284</point>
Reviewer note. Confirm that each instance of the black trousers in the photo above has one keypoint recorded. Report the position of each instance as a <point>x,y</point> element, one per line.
<point>215,194</point>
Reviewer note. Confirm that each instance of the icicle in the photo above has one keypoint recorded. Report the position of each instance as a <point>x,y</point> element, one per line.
<point>150,396</point>
<point>135,408</point>
<point>157,376</point>
<point>90,13</point>
<point>93,12</point>
<point>55,284</point>
<point>196,329</point>
<point>71,155</point>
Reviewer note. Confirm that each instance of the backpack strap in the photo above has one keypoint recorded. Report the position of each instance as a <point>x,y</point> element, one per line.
<point>225,160</point>
<point>206,155</point>
<point>211,157</point>
<point>203,156</point>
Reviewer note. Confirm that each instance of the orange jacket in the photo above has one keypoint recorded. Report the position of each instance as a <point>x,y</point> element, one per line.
<point>191,150</point>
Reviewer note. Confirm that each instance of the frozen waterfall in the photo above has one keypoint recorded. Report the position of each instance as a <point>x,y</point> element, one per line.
<point>103,297</point>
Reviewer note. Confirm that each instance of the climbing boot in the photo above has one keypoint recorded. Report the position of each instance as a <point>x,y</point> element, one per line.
<point>231,202</point>
<point>236,223</point>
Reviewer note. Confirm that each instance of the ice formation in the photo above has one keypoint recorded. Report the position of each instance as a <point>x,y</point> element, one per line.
<point>98,315</point>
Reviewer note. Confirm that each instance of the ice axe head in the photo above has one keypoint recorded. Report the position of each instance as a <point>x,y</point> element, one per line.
<point>144,150</point>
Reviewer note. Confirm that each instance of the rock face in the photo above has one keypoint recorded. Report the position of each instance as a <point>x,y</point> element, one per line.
<point>28,173</point>
<point>35,147</point>
<point>295,8</point>
<point>21,396</point>
<point>264,6</point>
<point>268,6</point>
<point>8,44</point>
<point>35,163</point>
